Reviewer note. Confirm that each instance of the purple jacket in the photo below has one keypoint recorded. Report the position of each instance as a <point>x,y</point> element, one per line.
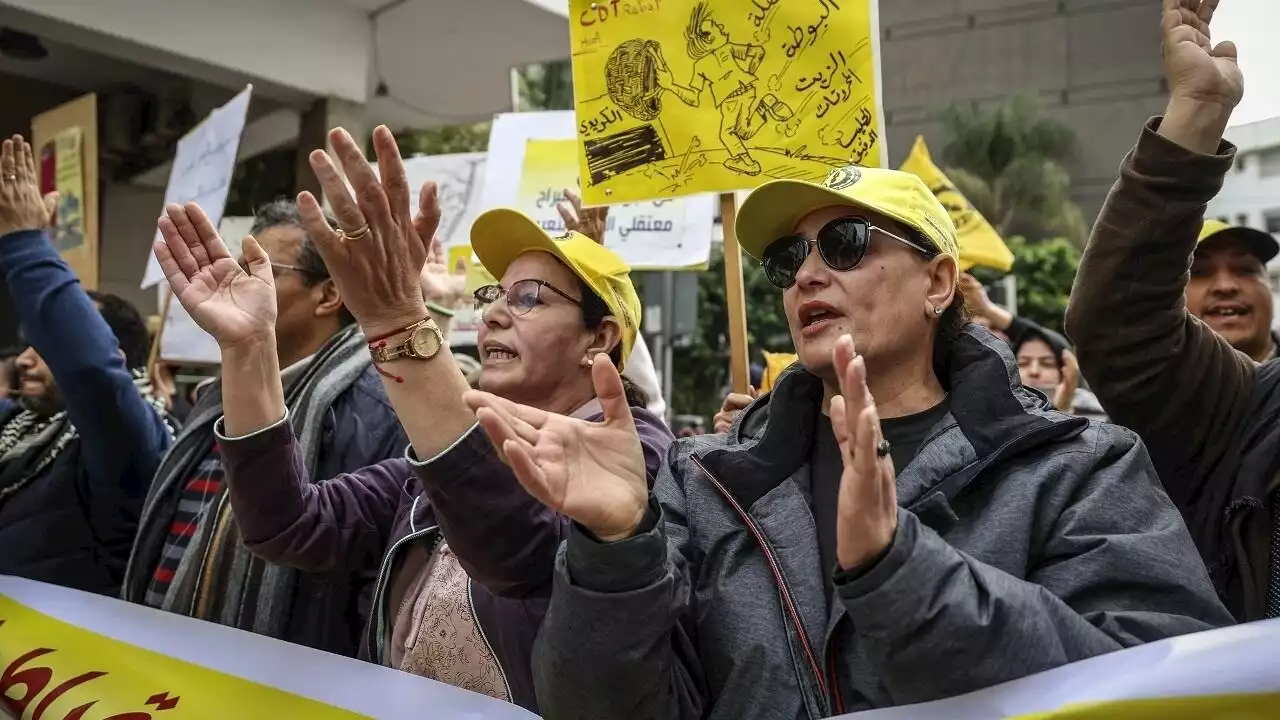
<point>504,538</point>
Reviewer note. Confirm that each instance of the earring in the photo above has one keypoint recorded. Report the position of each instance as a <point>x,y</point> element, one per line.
<point>588,362</point>
<point>937,310</point>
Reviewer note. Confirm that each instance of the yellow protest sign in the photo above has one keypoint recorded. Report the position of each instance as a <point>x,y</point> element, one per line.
<point>477,275</point>
<point>52,669</point>
<point>676,97</point>
<point>980,244</point>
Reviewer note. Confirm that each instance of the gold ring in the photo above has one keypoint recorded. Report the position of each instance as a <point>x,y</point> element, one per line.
<point>358,234</point>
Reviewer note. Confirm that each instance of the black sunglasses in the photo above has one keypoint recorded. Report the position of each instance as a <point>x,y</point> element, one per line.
<point>841,243</point>
<point>522,296</point>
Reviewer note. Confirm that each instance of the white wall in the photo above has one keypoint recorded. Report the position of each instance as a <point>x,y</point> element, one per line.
<point>321,47</point>
<point>1249,196</point>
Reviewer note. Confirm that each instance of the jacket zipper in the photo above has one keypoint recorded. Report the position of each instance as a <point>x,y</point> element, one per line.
<point>377,628</point>
<point>833,676</point>
<point>783,590</point>
<point>484,636</point>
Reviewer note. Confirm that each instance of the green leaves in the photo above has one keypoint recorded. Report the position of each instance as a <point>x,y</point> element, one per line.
<point>701,372</point>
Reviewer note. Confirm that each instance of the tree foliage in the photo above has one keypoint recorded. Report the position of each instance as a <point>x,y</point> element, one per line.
<point>1045,271</point>
<point>701,370</point>
<point>1011,163</point>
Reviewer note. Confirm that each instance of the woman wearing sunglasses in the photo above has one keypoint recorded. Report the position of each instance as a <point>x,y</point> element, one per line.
<point>463,557</point>
<point>909,523</point>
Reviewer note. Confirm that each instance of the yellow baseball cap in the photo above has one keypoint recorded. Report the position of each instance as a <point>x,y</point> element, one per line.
<point>500,236</point>
<point>772,210</point>
<point>1262,245</point>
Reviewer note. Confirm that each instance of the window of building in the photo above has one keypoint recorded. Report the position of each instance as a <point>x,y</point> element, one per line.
<point>1271,222</point>
<point>1269,163</point>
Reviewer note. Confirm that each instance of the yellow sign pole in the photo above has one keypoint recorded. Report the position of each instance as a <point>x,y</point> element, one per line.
<point>734,297</point>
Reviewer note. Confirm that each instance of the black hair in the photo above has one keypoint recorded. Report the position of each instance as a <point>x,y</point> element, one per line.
<point>954,318</point>
<point>594,311</point>
<point>127,325</point>
<point>283,212</point>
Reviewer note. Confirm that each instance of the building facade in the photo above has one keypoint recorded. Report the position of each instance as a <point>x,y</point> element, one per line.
<point>1093,64</point>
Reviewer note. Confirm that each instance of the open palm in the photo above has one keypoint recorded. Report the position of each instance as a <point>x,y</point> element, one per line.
<point>1196,68</point>
<point>592,472</point>
<point>232,305</point>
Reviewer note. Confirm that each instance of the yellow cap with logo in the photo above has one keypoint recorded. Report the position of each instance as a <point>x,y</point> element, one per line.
<point>1261,245</point>
<point>772,210</point>
<point>500,236</point>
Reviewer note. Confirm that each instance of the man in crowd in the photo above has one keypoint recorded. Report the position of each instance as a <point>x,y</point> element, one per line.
<point>1229,288</point>
<point>79,447</point>
<point>1206,410</point>
<point>188,557</point>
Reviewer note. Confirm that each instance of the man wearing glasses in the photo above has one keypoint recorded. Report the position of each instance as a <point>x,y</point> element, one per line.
<point>188,557</point>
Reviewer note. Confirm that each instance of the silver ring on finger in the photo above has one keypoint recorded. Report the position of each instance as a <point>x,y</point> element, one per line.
<point>882,448</point>
<point>357,235</point>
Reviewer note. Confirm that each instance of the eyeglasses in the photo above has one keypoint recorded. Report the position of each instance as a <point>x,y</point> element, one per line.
<point>522,296</point>
<point>842,244</point>
<point>277,268</point>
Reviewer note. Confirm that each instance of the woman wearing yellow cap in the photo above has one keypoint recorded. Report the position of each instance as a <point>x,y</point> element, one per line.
<point>463,556</point>
<point>910,523</point>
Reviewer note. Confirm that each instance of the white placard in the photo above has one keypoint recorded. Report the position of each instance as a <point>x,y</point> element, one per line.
<point>657,235</point>
<point>182,340</point>
<point>460,178</point>
<point>202,167</point>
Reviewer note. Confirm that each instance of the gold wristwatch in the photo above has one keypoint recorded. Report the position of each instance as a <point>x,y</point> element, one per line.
<point>423,343</point>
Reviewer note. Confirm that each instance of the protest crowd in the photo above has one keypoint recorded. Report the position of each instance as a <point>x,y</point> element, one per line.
<point>938,497</point>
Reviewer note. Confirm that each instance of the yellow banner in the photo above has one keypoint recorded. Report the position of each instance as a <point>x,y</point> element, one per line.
<point>54,670</point>
<point>676,97</point>
<point>68,231</point>
<point>980,244</point>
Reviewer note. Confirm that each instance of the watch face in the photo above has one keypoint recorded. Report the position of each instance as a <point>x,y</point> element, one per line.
<point>425,342</point>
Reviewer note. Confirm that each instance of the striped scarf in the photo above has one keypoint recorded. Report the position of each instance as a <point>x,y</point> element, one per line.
<point>30,442</point>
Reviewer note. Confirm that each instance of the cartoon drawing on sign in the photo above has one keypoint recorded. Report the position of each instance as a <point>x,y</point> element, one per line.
<point>727,70</point>
<point>455,189</point>
<point>720,95</point>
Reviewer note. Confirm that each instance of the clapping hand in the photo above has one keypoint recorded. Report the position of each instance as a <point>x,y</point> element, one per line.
<point>234,304</point>
<point>21,207</point>
<point>593,473</point>
<point>867,515</point>
<point>377,257</point>
<point>591,222</point>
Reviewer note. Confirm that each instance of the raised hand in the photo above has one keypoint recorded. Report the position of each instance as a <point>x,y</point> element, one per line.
<point>234,304</point>
<point>1064,396</point>
<point>21,206</point>
<point>441,285</point>
<point>867,515</point>
<point>592,472</point>
<point>376,259</point>
<point>734,403</point>
<point>1195,68</point>
<point>591,222</point>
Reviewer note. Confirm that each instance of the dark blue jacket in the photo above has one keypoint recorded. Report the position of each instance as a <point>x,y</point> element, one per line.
<point>74,524</point>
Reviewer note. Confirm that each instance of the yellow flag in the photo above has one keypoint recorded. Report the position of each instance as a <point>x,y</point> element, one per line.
<point>774,364</point>
<point>980,244</point>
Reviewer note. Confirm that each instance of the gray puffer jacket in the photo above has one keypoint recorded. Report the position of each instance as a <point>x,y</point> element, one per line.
<point>1027,539</point>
